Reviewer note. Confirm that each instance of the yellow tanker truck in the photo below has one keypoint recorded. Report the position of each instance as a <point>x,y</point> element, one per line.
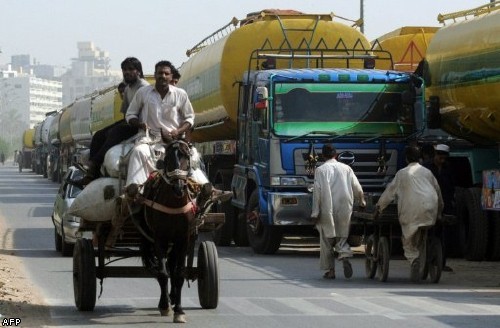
<point>407,45</point>
<point>269,91</point>
<point>80,120</point>
<point>24,160</point>
<point>462,74</point>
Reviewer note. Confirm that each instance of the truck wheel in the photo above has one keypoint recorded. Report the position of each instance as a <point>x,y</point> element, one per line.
<point>264,239</point>
<point>240,234</point>
<point>55,173</point>
<point>224,235</point>
<point>472,223</point>
<point>493,252</point>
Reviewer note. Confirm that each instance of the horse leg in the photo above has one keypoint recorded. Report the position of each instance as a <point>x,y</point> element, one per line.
<point>177,260</point>
<point>164,304</point>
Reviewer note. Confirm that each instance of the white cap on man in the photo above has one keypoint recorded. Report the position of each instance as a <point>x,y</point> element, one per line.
<point>443,148</point>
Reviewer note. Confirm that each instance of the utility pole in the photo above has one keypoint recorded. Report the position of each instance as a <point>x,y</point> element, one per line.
<point>362,15</point>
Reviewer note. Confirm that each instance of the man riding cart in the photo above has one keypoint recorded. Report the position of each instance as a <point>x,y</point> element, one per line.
<point>160,112</point>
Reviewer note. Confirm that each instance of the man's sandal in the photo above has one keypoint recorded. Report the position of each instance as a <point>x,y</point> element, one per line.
<point>329,275</point>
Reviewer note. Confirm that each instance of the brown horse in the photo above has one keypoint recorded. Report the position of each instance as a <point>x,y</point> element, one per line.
<point>170,216</point>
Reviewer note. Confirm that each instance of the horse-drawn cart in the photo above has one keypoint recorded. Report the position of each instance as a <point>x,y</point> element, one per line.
<point>86,271</point>
<point>159,221</point>
<point>383,234</point>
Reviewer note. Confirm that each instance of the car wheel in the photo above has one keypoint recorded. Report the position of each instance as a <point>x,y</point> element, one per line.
<point>57,240</point>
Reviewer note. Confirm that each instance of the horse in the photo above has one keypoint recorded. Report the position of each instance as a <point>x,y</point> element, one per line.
<point>170,216</point>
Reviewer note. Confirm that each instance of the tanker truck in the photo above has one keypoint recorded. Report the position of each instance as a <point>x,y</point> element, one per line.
<point>24,161</point>
<point>268,92</point>
<point>42,147</point>
<point>407,46</point>
<point>80,120</point>
<point>53,143</point>
<point>462,74</point>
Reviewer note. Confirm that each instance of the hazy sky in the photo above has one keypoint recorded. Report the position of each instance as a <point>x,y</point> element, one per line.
<point>151,30</point>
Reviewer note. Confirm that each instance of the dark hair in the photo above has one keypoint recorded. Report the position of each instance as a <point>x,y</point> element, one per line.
<point>328,151</point>
<point>122,86</point>
<point>412,154</point>
<point>428,149</point>
<point>135,63</point>
<point>165,63</point>
<point>175,74</point>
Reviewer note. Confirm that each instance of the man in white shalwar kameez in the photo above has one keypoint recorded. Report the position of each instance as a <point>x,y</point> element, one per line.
<point>163,108</point>
<point>419,204</point>
<point>335,189</point>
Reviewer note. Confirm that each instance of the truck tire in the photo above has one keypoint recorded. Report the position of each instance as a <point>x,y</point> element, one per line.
<point>240,234</point>
<point>493,252</point>
<point>263,238</point>
<point>224,235</point>
<point>472,224</point>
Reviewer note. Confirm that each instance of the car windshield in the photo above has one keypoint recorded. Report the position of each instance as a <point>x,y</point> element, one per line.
<point>353,108</point>
<point>74,190</point>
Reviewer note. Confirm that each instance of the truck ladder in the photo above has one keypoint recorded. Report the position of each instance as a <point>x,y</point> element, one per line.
<point>212,38</point>
<point>484,9</point>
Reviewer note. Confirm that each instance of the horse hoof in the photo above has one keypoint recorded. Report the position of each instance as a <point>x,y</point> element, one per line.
<point>179,318</point>
<point>166,313</point>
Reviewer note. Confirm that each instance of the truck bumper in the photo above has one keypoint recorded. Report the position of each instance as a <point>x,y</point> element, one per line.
<point>290,208</point>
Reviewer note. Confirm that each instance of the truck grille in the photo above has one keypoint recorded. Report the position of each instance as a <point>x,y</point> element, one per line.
<point>366,166</point>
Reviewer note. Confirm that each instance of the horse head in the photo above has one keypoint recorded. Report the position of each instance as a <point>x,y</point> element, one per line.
<point>176,165</point>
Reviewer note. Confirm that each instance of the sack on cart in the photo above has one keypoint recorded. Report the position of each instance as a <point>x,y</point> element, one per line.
<point>97,201</point>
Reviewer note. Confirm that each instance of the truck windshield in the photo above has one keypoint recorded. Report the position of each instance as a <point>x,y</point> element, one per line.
<point>344,108</point>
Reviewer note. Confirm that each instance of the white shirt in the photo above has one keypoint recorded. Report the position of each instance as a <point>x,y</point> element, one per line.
<point>335,188</point>
<point>165,114</point>
<point>418,195</point>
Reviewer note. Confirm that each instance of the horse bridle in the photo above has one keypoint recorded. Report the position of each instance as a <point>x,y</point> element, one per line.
<point>177,174</point>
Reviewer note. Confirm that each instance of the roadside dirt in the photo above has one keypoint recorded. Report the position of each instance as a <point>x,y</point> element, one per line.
<point>18,296</point>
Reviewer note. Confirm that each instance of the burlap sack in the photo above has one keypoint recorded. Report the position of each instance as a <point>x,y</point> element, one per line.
<point>96,202</point>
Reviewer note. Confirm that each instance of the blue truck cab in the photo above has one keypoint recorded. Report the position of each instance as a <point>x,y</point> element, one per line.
<point>287,115</point>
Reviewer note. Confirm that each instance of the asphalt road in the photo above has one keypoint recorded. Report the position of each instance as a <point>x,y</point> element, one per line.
<point>283,290</point>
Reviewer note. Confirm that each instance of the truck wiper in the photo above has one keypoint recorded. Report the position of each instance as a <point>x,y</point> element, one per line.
<point>328,133</point>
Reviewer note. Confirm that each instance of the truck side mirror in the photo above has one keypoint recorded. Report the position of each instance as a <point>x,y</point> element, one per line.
<point>261,101</point>
<point>261,98</point>
<point>433,115</point>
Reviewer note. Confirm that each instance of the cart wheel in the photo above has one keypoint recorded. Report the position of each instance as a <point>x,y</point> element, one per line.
<point>208,275</point>
<point>435,259</point>
<point>371,255</point>
<point>424,260</point>
<point>383,255</point>
<point>84,275</point>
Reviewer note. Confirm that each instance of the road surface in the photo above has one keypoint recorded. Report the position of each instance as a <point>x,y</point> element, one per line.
<point>283,290</point>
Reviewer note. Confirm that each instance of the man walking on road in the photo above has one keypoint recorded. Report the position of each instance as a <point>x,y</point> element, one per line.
<point>335,189</point>
<point>419,203</point>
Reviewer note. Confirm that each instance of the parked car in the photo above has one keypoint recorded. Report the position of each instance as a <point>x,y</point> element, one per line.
<point>65,225</point>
